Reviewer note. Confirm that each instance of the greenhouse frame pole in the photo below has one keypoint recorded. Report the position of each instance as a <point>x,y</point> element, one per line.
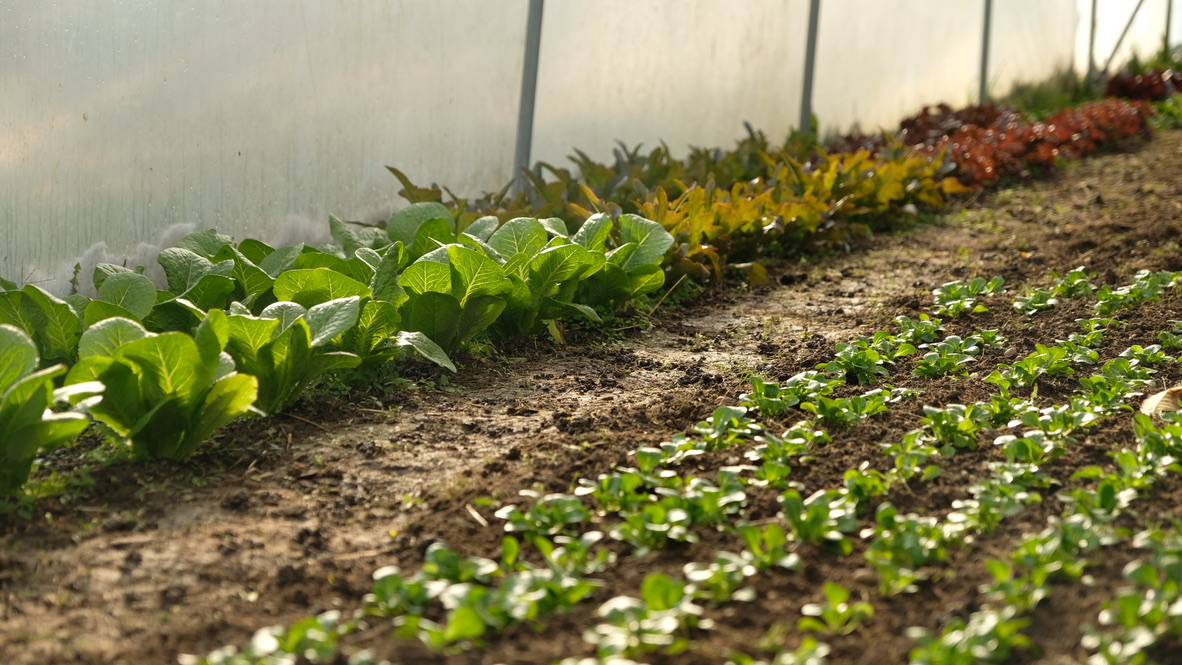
<point>529,89</point>
<point>810,62</point>
<point>1120,40</point>
<point>1091,76</point>
<point>983,92</point>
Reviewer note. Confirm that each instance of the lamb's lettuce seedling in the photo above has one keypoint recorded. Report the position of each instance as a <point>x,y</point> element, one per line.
<point>550,515</point>
<point>836,615</point>
<point>989,636</point>
<point>1036,301</point>
<point>924,331</point>
<point>955,298</point>
<point>823,518</point>
<point>721,581</point>
<point>902,544</point>
<point>767,547</point>
<point>955,425</point>
<point>726,427</point>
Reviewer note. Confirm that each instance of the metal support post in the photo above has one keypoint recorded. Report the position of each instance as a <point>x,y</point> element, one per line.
<point>983,91</point>
<point>529,88</point>
<point>1120,40</point>
<point>1091,75</point>
<point>810,61</point>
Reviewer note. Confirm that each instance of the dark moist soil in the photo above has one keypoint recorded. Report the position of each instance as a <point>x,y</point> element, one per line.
<point>283,518</point>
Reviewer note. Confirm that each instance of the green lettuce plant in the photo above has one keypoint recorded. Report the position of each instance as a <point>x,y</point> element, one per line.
<point>28,426</point>
<point>165,393</point>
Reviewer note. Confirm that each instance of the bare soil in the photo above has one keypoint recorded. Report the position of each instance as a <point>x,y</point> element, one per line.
<point>282,518</point>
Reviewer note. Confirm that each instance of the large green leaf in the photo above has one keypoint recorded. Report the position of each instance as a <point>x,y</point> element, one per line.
<point>646,280</point>
<point>104,270</point>
<point>651,238</point>
<point>123,404</point>
<point>205,243</point>
<point>97,310</point>
<point>521,235</point>
<point>477,314</point>
<point>557,264</point>
<point>436,315</point>
<point>211,336</point>
<point>285,312</point>
<point>594,232</point>
<point>278,261</point>
<point>106,336</point>
<point>425,276</point>
<point>385,284</point>
<point>344,236</point>
<point>482,228</point>
<point>14,312</point>
<point>43,434</point>
<point>171,366</point>
<point>252,280</point>
<point>312,287</point>
<point>329,319</point>
<point>248,334</point>
<point>163,430</point>
<point>184,269</point>
<point>377,322</point>
<point>177,314</point>
<point>288,361</point>
<point>256,251</point>
<point>18,355</point>
<point>212,291</point>
<point>434,233</point>
<point>58,326</point>
<point>230,397</point>
<point>478,274</point>
<point>425,347</point>
<point>404,225</point>
<point>130,291</point>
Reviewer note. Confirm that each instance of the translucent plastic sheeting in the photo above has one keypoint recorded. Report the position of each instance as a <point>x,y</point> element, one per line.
<point>1176,24</point>
<point>880,61</point>
<point>1144,38</point>
<point>688,72</point>
<point>121,120</point>
<point>1030,42</point>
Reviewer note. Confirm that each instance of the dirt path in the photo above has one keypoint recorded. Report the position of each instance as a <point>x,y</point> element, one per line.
<point>289,517</point>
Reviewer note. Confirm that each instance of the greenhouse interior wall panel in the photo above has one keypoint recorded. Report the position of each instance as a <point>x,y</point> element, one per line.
<point>686,73</point>
<point>122,120</point>
<point>124,125</point>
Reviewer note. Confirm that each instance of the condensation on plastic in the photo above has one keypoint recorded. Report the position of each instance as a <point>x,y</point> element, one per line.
<point>124,124</point>
<point>1144,38</point>
<point>128,122</point>
<point>686,72</point>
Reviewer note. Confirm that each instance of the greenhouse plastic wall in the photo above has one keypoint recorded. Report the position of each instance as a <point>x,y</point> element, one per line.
<point>125,123</point>
<point>129,122</point>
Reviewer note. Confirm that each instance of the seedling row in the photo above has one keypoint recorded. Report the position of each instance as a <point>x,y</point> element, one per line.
<point>549,558</point>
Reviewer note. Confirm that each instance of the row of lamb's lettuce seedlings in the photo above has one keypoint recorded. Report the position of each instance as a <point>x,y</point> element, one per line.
<point>898,554</point>
<point>629,492</point>
<point>475,597</point>
<point>1151,608</point>
<point>826,515</point>
<point>1073,284</point>
<point>1146,286</point>
<point>1059,551</point>
<point>954,299</point>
